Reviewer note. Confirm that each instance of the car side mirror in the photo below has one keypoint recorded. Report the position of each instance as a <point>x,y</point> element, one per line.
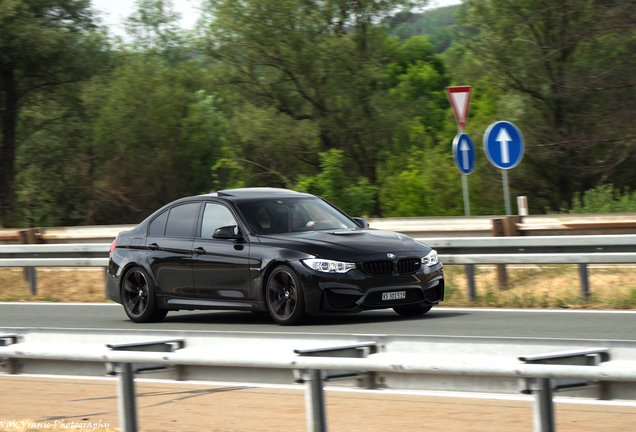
<point>362,222</point>
<point>227,232</point>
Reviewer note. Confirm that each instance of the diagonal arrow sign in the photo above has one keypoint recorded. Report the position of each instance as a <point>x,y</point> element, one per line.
<point>503,138</point>
<point>464,148</point>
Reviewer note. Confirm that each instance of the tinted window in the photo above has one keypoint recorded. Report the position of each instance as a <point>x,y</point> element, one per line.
<point>215,216</point>
<point>181,220</point>
<point>276,216</point>
<point>158,225</point>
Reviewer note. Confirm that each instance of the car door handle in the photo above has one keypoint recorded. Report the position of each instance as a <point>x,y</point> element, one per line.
<point>199,251</point>
<point>153,246</point>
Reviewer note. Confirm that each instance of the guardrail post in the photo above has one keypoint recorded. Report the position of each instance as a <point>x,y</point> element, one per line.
<point>502,276</point>
<point>315,402</point>
<point>543,406</point>
<point>314,395</point>
<point>126,398</point>
<point>106,282</point>
<point>543,388</point>
<point>30,236</point>
<point>32,278</point>
<point>585,285</point>
<point>126,383</point>
<point>470,277</point>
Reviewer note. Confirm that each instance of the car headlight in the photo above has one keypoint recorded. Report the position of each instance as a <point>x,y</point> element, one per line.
<point>431,259</point>
<point>328,266</point>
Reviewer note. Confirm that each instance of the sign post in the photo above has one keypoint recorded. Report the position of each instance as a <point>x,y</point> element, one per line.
<point>465,157</point>
<point>463,148</point>
<point>503,144</point>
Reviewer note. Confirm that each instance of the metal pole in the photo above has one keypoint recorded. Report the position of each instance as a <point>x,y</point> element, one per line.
<point>470,276</point>
<point>315,402</point>
<point>33,280</point>
<point>105,281</point>
<point>504,178</point>
<point>543,407</point>
<point>585,285</point>
<point>126,398</point>
<point>465,190</point>
<point>470,269</point>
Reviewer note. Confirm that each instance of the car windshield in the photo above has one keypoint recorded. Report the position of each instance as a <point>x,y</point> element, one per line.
<point>277,216</point>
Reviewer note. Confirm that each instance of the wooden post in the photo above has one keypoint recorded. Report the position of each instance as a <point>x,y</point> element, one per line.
<point>506,227</point>
<point>510,226</point>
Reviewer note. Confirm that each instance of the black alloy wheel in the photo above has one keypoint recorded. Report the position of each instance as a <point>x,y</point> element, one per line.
<point>284,297</point>
<point>138,297</point>
<point>413,310</point>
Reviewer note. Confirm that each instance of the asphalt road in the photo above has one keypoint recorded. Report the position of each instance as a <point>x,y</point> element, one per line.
<point>531,323</point>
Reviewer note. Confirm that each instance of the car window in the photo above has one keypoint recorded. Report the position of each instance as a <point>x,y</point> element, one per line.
<point>215,216</point>
<point>277,216</point>
<point>263,218</point>
<point>181,220</point>
<point>158,225</point>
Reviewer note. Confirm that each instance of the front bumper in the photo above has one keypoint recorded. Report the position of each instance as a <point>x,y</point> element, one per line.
<point>355,290</point>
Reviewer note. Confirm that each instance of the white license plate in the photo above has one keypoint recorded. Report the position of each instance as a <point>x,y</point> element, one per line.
<point>397,295</point>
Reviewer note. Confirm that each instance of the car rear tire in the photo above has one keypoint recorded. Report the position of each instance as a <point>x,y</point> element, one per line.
<point>138,297</point>
<point>284,297</point>
<point>413,310</point>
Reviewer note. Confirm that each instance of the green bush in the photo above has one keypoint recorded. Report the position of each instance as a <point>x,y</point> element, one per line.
<point>603,199</point>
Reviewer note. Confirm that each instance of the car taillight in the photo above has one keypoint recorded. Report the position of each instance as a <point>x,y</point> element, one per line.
<point>112,247</point>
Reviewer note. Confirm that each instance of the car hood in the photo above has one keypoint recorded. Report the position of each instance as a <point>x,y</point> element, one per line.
<point>348,244</point>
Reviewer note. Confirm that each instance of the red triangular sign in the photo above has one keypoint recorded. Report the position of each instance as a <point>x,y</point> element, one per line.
<point>459,98</point>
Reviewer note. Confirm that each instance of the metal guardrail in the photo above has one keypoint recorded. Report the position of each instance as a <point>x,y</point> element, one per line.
<point>448,226</point>
<point>539,372</point>
<point>581,250</point>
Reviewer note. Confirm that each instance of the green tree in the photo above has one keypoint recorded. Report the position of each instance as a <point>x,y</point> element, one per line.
<point>603,199</point>
<point>568,65</point>
<point>334,184</point>
<point>316,61</point>
<point>436,24</point>
<point>144,132</point>
<point>45,47</point>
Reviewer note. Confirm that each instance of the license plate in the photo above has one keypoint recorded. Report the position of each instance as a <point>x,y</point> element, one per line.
<point>396,295</point>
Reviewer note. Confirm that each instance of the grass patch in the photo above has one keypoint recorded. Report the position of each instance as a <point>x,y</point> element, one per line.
<point>54,285</point>
<point>550,286</point>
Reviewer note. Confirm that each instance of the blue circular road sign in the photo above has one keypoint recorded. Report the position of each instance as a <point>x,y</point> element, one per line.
<point>464,153</point>
<point>503,144</point>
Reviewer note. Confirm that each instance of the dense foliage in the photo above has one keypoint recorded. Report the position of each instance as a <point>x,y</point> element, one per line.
<point>340,98</point>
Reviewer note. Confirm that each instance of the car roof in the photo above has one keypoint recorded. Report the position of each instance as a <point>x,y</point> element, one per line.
<point>257,192</point>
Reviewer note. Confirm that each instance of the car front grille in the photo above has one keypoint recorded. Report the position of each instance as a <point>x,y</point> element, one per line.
<point>341,301</point>
<point>412,295</point>
<point>378,268</point>
<point>383,268</point>
<point>409,265</point>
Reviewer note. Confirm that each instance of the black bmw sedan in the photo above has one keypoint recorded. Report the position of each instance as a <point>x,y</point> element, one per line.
<point>262,249</point>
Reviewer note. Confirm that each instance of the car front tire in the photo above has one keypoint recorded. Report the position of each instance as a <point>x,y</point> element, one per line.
<point>284,297</point>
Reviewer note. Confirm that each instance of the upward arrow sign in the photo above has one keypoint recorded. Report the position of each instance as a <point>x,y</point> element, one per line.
<point>464,148</point>
<point>503,138</point>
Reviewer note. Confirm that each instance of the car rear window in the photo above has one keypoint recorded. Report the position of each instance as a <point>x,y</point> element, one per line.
<point>158,225</point>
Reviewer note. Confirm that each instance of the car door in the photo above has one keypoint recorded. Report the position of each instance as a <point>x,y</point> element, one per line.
<point>169,245</point>
<point>220,266</point>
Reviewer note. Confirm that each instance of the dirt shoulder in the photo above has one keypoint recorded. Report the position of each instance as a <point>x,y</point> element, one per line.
<point>175,406</point>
